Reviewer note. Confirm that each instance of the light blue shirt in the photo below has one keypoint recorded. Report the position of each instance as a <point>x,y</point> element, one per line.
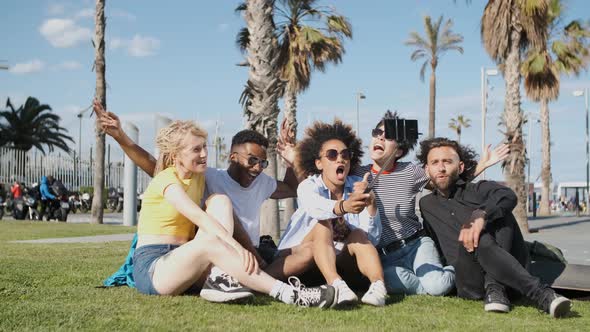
<point>315,204</point>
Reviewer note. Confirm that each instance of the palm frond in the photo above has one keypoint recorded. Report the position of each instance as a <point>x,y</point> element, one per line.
<point>243,39</point>
<point>242,7</point>
<point>423,70</point>
<point>417,54</point>
<point>339,25</point>
<point>417,40</point>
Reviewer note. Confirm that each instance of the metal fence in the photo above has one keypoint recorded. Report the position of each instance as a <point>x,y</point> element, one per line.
<point>28,167</point>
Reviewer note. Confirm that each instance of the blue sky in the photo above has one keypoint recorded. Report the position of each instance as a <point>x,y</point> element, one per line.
<point>179,60</point>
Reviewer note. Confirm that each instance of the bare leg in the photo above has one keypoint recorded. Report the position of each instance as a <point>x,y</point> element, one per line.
<point>292,262</point>
<point>367,258</point>
<point>184,266</point>
<point>324,253</point>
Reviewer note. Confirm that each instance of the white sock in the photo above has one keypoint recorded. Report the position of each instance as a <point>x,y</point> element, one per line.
<point>282,292</point>
<point>338,282</point>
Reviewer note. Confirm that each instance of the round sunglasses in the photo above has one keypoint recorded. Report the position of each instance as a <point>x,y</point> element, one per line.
<point>252,161</point>
<point>332,154</point>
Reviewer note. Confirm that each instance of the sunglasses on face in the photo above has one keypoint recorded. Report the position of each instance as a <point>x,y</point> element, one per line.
<point>252,161</point>
<point>332,154</point>
<point>378,132</point>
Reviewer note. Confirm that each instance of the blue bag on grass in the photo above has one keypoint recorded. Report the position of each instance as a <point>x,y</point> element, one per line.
<point>124,276</point>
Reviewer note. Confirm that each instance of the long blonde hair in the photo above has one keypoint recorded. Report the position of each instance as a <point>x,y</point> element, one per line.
<point>169,141</point>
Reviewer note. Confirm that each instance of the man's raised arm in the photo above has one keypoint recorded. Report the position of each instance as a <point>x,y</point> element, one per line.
<point>109,122</point>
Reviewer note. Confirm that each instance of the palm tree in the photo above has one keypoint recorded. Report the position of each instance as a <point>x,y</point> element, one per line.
<point>262,91</point>
<point>100,95</point>
<point>509,28</point>
<point>431,48</point>
<point>310,37</point>
<point>32,125</point>
<point>458,124</point>
<point>567,53</point>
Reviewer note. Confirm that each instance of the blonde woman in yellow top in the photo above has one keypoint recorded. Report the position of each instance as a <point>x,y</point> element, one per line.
<point>179,242</point>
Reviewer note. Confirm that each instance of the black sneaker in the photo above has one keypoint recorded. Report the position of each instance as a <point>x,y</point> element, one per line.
<point>496,299</point>
<point>554,304</point>
<point>221,287</point>
<point>321,297</point>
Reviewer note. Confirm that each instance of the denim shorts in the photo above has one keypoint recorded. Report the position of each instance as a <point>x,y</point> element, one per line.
<point>144,263</point>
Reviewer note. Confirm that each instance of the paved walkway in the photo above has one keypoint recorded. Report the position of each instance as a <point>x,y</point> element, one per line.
<point>570,234</point>
<point>83,239</point>
<point>84,218</point>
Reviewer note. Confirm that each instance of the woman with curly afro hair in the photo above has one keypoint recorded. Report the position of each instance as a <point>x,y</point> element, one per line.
<point>348,233</point>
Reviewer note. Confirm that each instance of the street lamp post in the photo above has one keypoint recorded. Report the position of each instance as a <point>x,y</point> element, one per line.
<point>530,116</point>
<point>579,93</point>
<point>80,115</point>
<point>359,96</point>
<point>484,96</point>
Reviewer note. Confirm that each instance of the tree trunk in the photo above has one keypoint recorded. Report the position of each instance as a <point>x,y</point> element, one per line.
<point>513,120</point>
<point>264,85</point>
<point>545,209</point>
<point>291,116</point>
<point>432,106</point>
<point>100,95</point>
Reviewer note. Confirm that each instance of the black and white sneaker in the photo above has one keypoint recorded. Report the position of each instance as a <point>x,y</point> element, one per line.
<point>554,304</point>
<point>496,299</point>
<point>221,287</point>
<point>321,297</point>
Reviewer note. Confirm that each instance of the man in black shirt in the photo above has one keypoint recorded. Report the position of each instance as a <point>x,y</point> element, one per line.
<point>477,233</point>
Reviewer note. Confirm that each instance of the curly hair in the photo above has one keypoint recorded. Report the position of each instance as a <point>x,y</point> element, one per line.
<point>405,146</point>
<point>308,150</point>
<point>466,154</point>
<point>169,141</point>
<point>249,136</point>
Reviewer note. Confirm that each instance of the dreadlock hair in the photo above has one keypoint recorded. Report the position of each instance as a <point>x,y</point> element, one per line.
<point>169,141</point>
<point>308,150</point>
<point>249,136</point>
<point>466,154</point>
<point>406,146</point>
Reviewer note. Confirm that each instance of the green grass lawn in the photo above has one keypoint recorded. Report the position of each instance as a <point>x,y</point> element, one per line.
<point>53,287</point>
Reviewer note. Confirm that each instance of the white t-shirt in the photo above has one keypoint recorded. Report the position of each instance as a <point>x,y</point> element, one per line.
<point>246,202</point>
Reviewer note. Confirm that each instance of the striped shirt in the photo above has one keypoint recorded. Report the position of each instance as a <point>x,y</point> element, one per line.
<point>395,194</point>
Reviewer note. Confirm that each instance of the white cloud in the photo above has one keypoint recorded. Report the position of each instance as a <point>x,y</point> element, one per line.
<point>27,67</point>
<point>64,33</point>
<point>143,46</point>
<point>85,13</point>
<point>68,65</point>
<point>55,9</point>
<point>138,46</point>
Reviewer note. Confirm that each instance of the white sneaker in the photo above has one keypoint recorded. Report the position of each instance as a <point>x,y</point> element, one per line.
<point>221,287</point>
<point>376,294</point>
<point>344,295</point>
<point>321,297</point>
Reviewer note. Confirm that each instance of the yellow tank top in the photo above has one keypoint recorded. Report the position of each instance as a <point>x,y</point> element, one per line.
<point>159,217</point>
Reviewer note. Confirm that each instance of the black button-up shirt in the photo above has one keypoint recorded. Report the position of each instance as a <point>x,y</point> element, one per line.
<point>444,216</point>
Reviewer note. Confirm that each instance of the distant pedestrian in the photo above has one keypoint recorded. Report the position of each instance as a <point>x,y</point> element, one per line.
<point>16,190</point>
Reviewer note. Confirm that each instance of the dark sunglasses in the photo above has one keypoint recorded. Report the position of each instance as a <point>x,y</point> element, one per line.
<point>378,132</point>
<point>252,161</point>
<point>332,154</point>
